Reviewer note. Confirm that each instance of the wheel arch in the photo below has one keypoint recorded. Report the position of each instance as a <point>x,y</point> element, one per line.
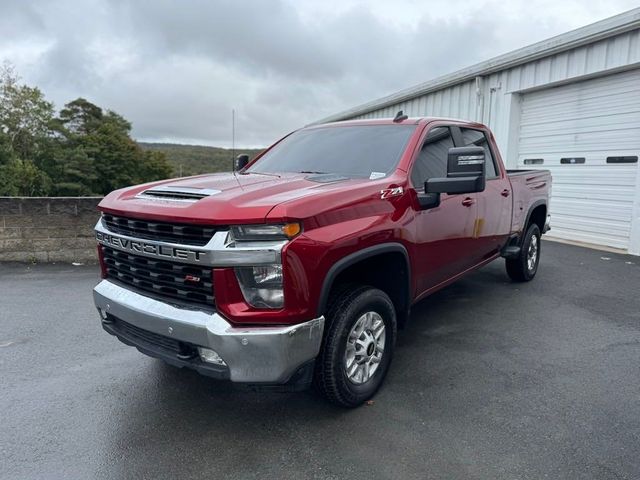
<point>400,292</point>
<point>537,214</point>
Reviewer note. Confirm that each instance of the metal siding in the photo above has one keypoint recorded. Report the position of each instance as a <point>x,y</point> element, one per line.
<point>591,202</point>
<point>458,101</point>
<point>611,53</point>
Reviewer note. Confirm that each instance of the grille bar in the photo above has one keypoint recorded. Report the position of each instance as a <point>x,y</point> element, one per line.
<point>160,231</point>
<point>147,336</point>
<point>187,283</point>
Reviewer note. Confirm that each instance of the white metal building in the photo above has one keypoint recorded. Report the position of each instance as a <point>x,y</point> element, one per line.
<point>570,104</point>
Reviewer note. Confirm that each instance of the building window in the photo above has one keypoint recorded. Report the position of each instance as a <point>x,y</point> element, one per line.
<point>623,159</point>
<point>572,160</point>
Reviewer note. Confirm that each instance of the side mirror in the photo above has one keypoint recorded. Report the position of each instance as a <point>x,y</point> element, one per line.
<point>241,162</point>
<point>465,172</point>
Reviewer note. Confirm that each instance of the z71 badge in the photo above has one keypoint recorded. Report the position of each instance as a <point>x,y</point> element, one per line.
<point>391,192</point>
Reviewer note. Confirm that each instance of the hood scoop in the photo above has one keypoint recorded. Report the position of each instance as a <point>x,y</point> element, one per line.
<point>326,178</point>
<point>176,194</point>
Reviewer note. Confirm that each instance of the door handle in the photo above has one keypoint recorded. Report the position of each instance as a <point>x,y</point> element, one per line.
<point>505,193</point>
<point>467,202</point>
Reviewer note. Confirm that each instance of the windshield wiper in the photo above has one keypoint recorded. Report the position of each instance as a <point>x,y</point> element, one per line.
<point>261,173</point>
<point>317,173</point>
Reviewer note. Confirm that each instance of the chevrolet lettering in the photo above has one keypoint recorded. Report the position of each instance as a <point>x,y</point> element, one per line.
<point>138,246</point>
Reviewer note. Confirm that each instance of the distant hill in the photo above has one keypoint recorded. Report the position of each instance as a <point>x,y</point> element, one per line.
<point>196,159</point>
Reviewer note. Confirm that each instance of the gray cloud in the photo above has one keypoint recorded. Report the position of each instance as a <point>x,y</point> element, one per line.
<point>176,69</point>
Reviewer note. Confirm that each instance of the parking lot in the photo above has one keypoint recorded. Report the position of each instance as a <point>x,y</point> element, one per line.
<point>490,380</point>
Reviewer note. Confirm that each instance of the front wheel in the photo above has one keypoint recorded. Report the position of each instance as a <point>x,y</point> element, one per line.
<point>358,346</point>
<point>524,267</point>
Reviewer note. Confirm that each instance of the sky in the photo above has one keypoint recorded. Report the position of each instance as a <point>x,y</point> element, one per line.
<point>176,69</point>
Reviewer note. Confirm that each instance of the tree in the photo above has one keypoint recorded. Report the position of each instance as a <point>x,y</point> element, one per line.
<point>155,166</point>
<point>84,150</point>
<point>25,116</point>
<point>81,117</point>
<point>114,157</point>
<point>75,173</point>
<point>22,178</point>
<point>6,152</point>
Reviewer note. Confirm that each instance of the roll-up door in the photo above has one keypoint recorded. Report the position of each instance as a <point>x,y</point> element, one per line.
<point>588,134</point>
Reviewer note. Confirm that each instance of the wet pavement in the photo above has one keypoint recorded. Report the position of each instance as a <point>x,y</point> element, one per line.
<point>490,380</point>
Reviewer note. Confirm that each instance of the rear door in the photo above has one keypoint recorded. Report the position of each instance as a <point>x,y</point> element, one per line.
<point>444,234</point>
<point>494,204</point>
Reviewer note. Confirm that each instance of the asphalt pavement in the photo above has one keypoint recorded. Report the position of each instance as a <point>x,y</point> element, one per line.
<point>491,380</point>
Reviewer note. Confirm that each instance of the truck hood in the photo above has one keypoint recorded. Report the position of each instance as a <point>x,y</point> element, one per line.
<point>222,198</point>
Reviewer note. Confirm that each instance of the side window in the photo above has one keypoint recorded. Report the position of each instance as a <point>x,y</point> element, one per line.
<point>478,138</point>
<point>432,159</point>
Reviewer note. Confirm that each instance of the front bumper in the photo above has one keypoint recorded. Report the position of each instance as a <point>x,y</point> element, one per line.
<point>269,355</point>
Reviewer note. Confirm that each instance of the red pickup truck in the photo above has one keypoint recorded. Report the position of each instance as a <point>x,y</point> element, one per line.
<point>300,266</point>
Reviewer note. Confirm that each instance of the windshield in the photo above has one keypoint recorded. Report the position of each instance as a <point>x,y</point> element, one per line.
<point>360,151</point>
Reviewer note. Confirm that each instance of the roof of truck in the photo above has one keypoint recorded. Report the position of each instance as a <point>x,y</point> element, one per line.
<point>390,121</point>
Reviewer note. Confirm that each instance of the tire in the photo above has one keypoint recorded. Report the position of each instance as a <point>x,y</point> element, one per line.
<point>524,267</point>
<point>368,362</point>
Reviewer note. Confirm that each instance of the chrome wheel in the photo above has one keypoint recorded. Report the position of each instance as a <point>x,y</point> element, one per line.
<point>532,253</point>
<point>365,347</point>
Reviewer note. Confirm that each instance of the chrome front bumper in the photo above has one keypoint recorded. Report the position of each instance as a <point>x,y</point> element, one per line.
<point>252,354</point>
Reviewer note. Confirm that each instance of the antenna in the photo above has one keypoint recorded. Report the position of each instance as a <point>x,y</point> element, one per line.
<point>233,141</point>
<point>233,133</point>
<point>400,116</point>
<point>233,146</point>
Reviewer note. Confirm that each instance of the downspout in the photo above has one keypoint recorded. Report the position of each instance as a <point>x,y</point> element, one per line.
<point>479,99</point>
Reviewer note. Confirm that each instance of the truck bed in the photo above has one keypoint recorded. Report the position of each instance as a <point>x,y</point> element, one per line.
<point>529,187</point>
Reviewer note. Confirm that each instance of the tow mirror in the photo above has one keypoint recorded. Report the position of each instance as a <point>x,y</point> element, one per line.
<point>241,162</point>
<point>465,172</point>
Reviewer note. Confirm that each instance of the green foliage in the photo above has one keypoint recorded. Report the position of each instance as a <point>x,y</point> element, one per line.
<point>23,178</point>
<point>81,117</point>
<point>196,159</point>
<point>26,117</point>
<point>84,150</point>
<point>155,166</point>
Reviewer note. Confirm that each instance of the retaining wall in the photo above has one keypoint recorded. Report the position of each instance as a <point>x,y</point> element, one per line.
<point>48,229</point>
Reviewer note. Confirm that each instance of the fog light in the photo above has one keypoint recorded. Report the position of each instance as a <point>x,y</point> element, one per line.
<point>210,356</point>
<point>103,316</point>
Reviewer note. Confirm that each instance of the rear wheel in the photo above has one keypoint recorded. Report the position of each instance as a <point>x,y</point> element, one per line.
<point>358,346</point>
<point>524,267</point>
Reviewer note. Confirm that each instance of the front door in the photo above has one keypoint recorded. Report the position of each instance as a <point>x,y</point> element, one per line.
<point>444,240</point>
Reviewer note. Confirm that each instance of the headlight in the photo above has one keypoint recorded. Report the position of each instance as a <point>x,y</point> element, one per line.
<point>280,231</point>
<point>262,286</point>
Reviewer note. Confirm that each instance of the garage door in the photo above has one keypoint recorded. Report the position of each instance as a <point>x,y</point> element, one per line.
<point>588,135</point>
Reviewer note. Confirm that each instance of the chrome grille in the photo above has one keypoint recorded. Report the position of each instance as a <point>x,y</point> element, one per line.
<point>185,234</point>
<point>177,281</point>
